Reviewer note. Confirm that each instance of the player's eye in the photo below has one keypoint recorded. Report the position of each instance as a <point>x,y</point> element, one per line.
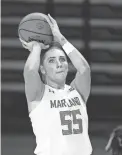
<point>62,59</point>
<point>51,61</point>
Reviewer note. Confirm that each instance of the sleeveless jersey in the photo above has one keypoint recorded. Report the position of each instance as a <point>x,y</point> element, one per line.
<point>60,123</point>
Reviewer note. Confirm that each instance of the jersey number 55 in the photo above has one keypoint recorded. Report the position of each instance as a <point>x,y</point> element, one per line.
<point>70,119</point>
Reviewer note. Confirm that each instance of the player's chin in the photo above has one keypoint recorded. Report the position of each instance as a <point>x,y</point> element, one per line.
<point>61,76</point>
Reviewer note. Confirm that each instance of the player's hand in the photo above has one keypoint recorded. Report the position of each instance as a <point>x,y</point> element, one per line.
<point>54,27</point>
<point>33,44</point>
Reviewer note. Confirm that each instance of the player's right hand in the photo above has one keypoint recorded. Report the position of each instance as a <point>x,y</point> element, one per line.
<point>33,44</point>
<point>55,28</point>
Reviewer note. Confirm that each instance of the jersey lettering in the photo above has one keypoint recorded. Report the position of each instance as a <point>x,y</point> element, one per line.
<point>65,103</point>
<point>71,122</point>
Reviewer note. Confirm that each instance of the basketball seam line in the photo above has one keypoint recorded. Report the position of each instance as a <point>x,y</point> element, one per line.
<point>35,32</point>
<point>32,20</point>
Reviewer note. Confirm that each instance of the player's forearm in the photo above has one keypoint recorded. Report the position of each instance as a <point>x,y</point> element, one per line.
<point>75,56</point>
<point>33,61</point>
<point>78,61</point>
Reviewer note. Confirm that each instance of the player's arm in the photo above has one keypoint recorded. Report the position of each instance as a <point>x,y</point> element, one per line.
<point>108,146</point>
<point>82,81</point>
<point>34,87</point>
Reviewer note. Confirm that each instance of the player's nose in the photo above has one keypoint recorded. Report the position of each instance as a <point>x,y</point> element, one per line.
<point>59,64</point>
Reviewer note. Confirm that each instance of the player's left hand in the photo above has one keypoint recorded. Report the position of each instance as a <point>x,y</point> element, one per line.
<point>29,46</point>
<point>54,27</point>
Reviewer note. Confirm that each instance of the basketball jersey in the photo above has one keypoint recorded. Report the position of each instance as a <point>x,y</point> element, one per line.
<point>60,123</point>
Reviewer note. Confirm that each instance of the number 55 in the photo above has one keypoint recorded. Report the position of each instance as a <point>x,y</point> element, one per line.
<point>70,122</point>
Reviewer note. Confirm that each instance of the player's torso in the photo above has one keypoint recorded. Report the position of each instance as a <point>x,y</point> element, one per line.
<point>60,123</point>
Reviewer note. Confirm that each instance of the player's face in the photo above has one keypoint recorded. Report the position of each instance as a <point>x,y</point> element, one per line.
<point>55,66</point>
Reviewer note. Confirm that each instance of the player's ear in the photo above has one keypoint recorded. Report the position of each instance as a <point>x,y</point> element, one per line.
<point>42,69</point>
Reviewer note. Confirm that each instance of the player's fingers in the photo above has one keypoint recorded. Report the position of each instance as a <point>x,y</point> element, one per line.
<point>45,46</point>
<point>23,42</point>
<point>51,18</point>
<point>49,21</point>
<point>25,46</point>
<point>54,25</point>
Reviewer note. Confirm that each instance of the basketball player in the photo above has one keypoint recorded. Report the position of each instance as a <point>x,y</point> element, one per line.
<point>57,111</point>
<point>115,141</point>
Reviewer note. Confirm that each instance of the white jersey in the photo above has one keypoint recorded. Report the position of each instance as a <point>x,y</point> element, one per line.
<point>60,123</point>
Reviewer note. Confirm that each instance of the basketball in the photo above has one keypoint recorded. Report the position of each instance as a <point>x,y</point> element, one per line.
<point>34,27</point>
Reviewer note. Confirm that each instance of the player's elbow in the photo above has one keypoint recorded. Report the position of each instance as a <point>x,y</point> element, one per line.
<point>85,70</point>
<point>33,66</point>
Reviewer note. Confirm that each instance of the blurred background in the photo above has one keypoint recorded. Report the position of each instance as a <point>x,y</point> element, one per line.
<point>94,27</point>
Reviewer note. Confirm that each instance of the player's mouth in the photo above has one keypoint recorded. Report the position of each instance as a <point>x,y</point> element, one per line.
<point>60,72</point>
